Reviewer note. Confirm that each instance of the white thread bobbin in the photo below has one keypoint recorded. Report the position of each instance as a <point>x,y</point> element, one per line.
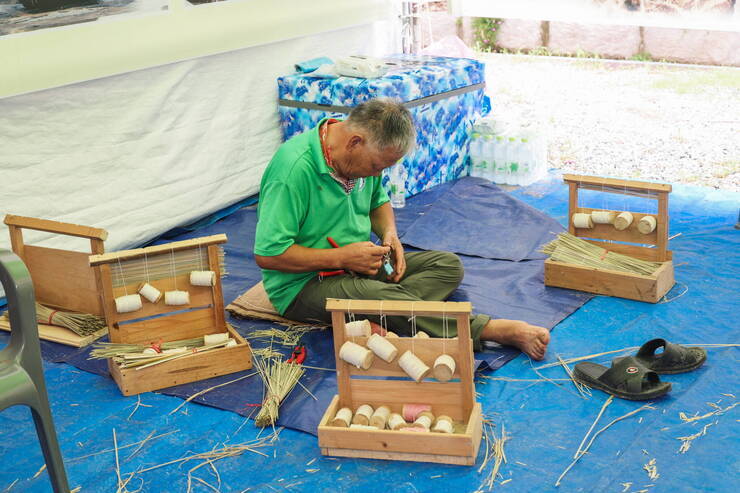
<point>380,417</point>
<point>363,415</point>
<point>396,421</point>
<point>176,298</point>
<point>128,303</point>
<point>424,420</point>
<point>356,355</point>
<point>149,350</point>
<point>202,278</point>
<point>444,368</point>
<point>443,424</point>
<point>411,411</point>
<point>362,427</point>
<point>215,338</point>
<point>413,366</point>
<point>623,221</point>
<point>231,343</point>
<point>343,418</point>
<point>647,224</point>
<point>603,217</point>
<point>358,328</point>
<point>581,220</point>
<point>175,350</point>
<point>391,335</point>
<point>152,294</point>
<point>421,335</point>
<point>382,348</point>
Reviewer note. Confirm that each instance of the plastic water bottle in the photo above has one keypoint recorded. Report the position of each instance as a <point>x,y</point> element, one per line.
<point>499,158</point>
<point>489,143</point>
<point>525,161</point>
<point>512,161</point>
<point>398,186</point>
<point>477,162</point>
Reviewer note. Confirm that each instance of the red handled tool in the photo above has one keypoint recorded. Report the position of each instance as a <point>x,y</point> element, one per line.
<point>329,273</point>
<point>298,356</point>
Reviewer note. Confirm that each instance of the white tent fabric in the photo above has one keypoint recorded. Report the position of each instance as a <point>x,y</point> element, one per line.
<point>140,153</point>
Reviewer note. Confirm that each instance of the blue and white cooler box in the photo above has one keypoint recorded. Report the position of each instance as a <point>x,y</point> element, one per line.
<point>445,96</point>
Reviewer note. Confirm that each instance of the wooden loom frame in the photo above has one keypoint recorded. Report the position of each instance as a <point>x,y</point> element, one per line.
<point>454,398</point>
<point>203,315</point>
<point>62,279</point>
<point>610,282</point>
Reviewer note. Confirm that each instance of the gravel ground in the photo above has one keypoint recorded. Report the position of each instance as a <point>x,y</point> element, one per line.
<point>651,121</point>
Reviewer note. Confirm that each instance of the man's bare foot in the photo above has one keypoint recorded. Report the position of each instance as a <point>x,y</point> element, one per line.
<point>531,339</point>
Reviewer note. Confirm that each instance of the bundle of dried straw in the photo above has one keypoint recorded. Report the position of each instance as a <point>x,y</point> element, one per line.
<point>82,324</point>
<point>573,250</point>
<point>279,378</point>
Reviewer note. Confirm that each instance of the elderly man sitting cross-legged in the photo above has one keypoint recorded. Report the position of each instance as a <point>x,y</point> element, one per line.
<point>326,183</point>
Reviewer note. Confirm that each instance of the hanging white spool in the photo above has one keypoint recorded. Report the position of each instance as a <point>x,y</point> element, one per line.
<point>444,367</point>
<point>362,415</point>
<point>358,328</point>
<point>582,220</point>
<point>356,355</point>
<point>343,418</point>
<point>203,278</point>
<point>421,335</point>
<point>128,303</point>
<point>176,298</point>
<point>152,294</point>
<point>391,335</point>
<point>424,420</point>
<point>380,417</point>
<point>647,224</point>
<point>396,421</point>
<point>623,221</point>
<point>443,424</point>
<point>231,343</point>
<point>215,338</point>
<point>413,366</point>
<point>603,217</point>
<point>382,348</point>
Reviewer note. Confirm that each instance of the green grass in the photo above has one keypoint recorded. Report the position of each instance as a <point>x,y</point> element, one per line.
<point>687,83</point>
<point>641,57</point>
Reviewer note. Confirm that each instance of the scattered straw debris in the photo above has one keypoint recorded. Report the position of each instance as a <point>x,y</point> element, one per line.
<point>505,481</point>
<point>624,350</point>
<point>311,461</point>
<point>137,406</point>
<point>123,447</point>
<point>38,473</point>
<point>718,411</point>
<point>312,470</point>
<point>204,391</point>
<point>652,470</point>
<point>583,450</point>
<point>76,490</point>
<point>435,477</point>
<point>10,487</point>
<point>494,452</point>
<point>626,487</point>
<point>686,441</point>
<point>290,336</point>
<point>521,463</point>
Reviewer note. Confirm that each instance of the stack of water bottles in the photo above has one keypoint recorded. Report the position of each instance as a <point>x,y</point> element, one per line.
<point>507,153</point>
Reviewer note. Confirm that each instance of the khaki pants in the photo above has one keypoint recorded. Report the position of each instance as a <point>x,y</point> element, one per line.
<point>430,276</point>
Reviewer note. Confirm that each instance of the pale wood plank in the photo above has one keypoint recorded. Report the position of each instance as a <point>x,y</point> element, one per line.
<point>62,278</point>
<point>16,241</point>
<point>186,325</point>
<point>217,297</point>
<point>394,307</point>
<point>56,227</point>
<point>630,185</point>
<point>343,374</point>
<point>661,229</point>
<point>175,246</point>
<point>640,252</point>
<point>572,206</point>
<point>465,363</point>
<point>445,398</point>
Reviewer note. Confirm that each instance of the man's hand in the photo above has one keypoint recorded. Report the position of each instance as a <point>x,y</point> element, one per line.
<point>399,260</point>
<point>363,257</point>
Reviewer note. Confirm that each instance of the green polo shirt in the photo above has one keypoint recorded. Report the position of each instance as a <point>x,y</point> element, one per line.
<point>300,203</point>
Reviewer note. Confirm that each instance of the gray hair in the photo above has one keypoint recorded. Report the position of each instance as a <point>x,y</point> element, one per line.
<point>388,123</point>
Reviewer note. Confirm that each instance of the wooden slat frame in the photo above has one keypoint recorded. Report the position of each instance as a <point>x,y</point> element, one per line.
<point>61,278</point>
<point>657,191</point>
<point>206,303</point>
<point>463,390</point>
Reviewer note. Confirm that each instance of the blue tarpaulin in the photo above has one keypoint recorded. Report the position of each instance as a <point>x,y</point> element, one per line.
<point>544,420</point>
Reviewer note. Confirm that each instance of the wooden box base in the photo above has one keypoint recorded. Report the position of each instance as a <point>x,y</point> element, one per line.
<point>197,366</point>
<point>609,282</point>
<point>459,448</point>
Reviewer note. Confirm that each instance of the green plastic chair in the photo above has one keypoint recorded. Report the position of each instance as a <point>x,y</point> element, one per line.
<point>21,373</point>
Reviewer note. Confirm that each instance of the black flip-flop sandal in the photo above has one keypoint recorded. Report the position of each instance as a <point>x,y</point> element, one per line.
<point>674,358</point>
<point>626,379</point>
